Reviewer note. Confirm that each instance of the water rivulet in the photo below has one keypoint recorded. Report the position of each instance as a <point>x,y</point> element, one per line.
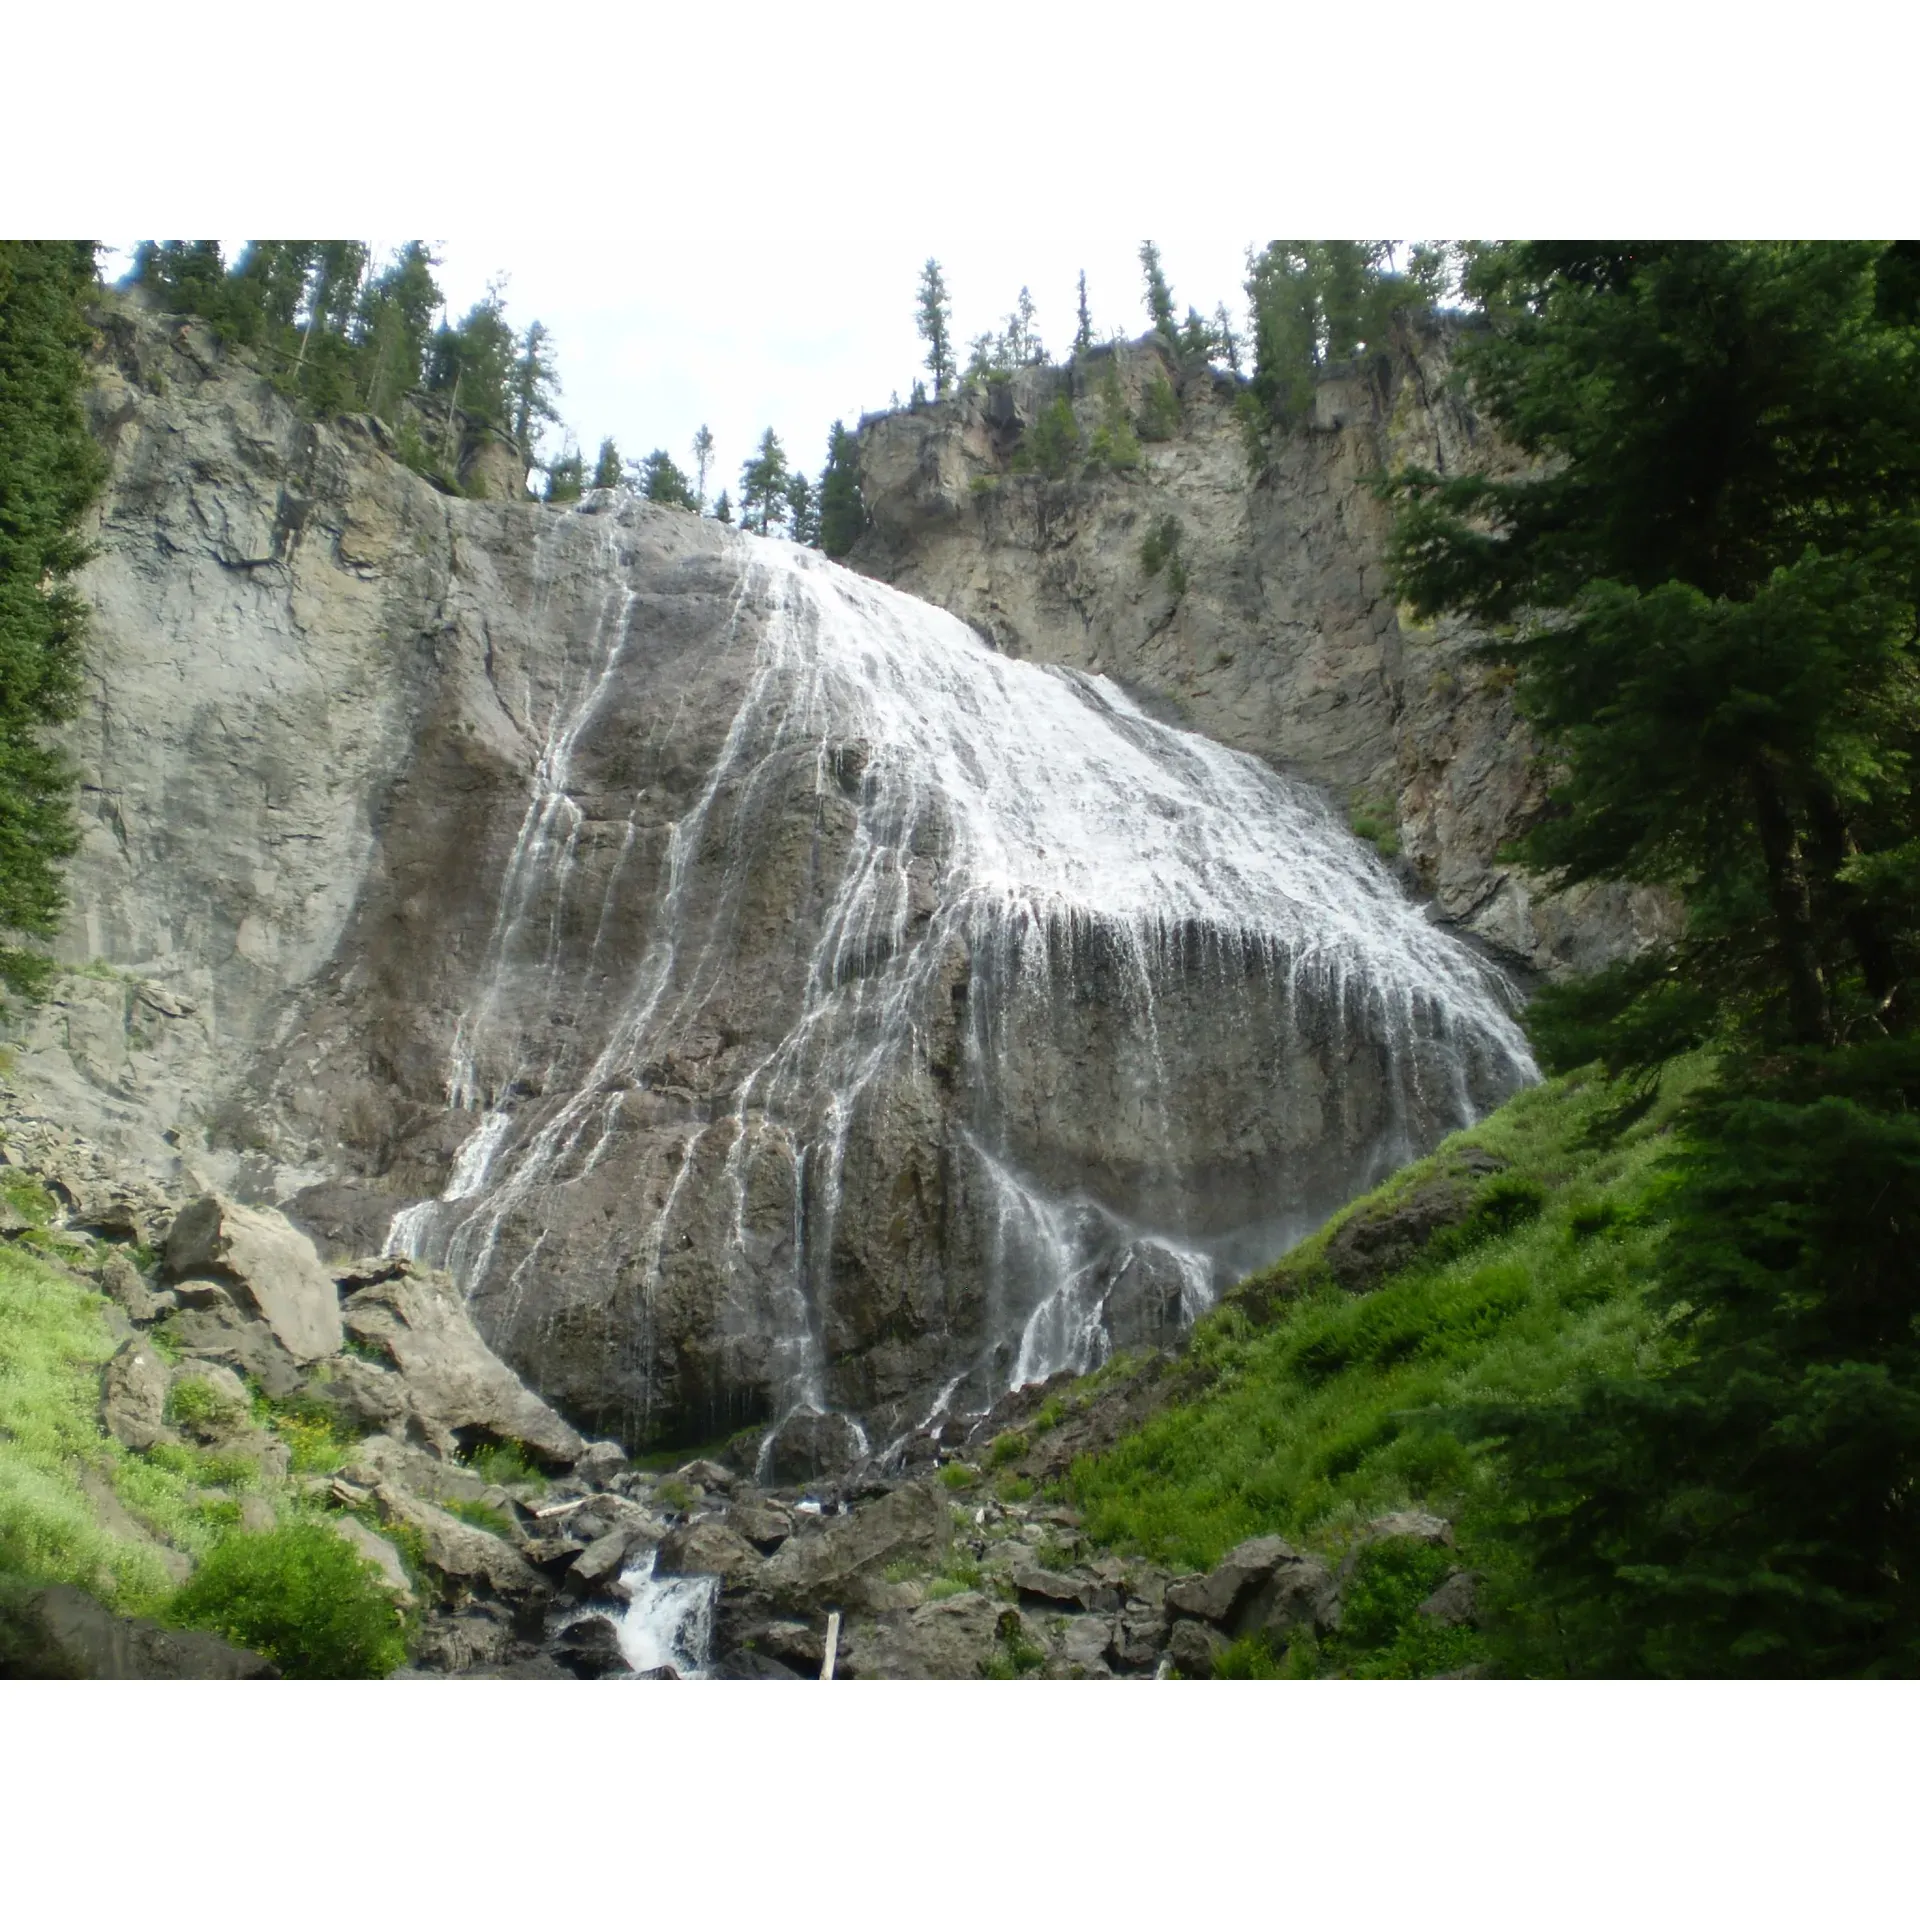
<point>866,1023</point>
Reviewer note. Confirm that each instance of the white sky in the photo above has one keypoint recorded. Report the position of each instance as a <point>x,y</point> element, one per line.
<point>722,215</point>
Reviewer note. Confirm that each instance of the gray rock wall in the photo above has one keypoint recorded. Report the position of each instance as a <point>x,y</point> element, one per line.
<point>1286,641</point>
<point>757,995</point>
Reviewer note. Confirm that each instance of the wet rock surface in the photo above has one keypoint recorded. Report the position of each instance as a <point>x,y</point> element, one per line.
<point>406,897</point>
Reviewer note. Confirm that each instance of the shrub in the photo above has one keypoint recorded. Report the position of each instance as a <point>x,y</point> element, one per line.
<point>301,1596</point>
<point>476,1513</point>
<point>504,1463</point>
<point>1052,444</point>
<point>1159,410</point>
<point>956,1476</point>
<point>1007,1447</point>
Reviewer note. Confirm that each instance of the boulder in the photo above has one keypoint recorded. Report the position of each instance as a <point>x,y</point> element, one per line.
<point>745,1664</point>
<point>708,1475</point>
<point>1042,1583</point>
<point>124,1284</point>
<point>760,1524</point>
<point>845,1559</point>
<point>221,1331</point>
<point>454,1385</point>
<point>210,1403</point>
<point>601,1464</point>
<point>1454,1602</point>
<point>710,1546</point>
<point>588,1646</point>
<point>949,1639</point>
<point>1193,1647</point>
<point>1138,1640</point>
<point>1218,1595</point>
<point>111,1220</point>
<point>61,1633</point>
<point>601,1563</point>
<point>267,1263</point>
<point>471,1556</point>
<point>810,1446</point>
<point>479,1635</point>
<point>133,1395</point>
<point>381,1555</point>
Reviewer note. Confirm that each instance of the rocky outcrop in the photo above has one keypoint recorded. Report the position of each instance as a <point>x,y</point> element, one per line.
<point>61,1633</point>
<point>764,1000</point>
<point>1270,624</point>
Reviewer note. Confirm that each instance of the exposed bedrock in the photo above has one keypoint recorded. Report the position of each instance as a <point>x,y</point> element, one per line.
<point>764,997</point>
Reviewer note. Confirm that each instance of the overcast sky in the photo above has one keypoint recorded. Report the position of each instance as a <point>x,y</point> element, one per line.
<point>722,213</point>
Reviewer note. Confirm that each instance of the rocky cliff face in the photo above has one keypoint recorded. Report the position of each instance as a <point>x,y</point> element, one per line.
<point>765,998</point>
<point>1276,631</point>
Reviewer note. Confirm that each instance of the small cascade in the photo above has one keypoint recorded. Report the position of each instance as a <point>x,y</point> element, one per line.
<point>1158,1011</point>
<point>668,1620</point>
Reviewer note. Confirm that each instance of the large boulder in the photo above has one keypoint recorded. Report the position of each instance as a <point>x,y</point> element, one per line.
<point>61,1633</point>
<point>470,1557</point>
<point>1261,1585</point>
<point>456,1387</point>
<point>842,1563</point>
<point>133,1395</point>
<point>267,1264</point>
<point>949,1639</point>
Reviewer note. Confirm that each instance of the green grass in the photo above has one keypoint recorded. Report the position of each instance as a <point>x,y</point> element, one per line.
<point>505,1465</point>
<point>1326,1415</point>
<point>476,1513</point>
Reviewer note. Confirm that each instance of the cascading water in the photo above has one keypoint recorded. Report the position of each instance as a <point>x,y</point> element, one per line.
<point>1118,1010</point>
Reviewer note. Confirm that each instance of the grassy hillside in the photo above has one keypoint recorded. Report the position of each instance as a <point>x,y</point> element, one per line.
<point>1308,1407</point>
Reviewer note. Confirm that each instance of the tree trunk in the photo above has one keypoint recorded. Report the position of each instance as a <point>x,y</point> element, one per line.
<point>1807,1009</point>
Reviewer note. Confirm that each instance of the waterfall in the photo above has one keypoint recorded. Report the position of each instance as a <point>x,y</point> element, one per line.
<point>1164,1010</point>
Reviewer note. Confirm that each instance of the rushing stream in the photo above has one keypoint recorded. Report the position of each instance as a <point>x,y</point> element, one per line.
<point>1095,903</point>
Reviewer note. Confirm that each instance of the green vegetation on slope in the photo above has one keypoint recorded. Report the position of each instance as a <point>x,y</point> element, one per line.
<point>49,472</point>
<point>1326,1407</point>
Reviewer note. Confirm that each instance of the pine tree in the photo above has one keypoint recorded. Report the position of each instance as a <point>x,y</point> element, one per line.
<point>723,509</point>
<point>935,323</point>
<point>1159,294</point>
<point>763,486</point>
<point>607,470</point>
<point>843,513</point>
<point>534,388</point>
<point>803,511</point>
<point>566,476</point>
<point>660,481</point>
<point>1708,595</point>
<point>702,464</point>
<point>395,323</point>
<point>1083,326</point>
<point>1229,341</point>
<point>50,471</point>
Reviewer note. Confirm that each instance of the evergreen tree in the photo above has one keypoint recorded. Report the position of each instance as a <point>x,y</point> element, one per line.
<point>566,476</point>
<point>396,321</point>
<point>1229,341</point>
<point>843,513</point>
<point>763,486</point>
<point>935,324</point>
<point>702,465</point>
<point>50,471</point>
<point>660,481</point>
<point>1159,294</point>
<point>803,511</point>
<point>1705,583</point>
<point>606,468</point>
<point>1083,325</point>
<point>534,388</point>
<point>1708,593</point>
<point>723,509</point>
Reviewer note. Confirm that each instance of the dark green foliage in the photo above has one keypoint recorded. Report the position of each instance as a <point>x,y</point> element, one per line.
<point>396,321</point>
<point>1382,1633</point>
<point>843,512</point>
<point>660,481</point>
<point>1052,444</point>
<point>1161,545</point>
<point>504,1464</point>
<point>723,509</point>
<point>606,466</point>
<point>566,476</point>
<point>1318,301</point>
<point>50,471</point>
<point>1158,294</point>
<point>300,1595</point>
<point>1083,321</point>
<point>1159,408</point>
<point>533,389</point>
<point>763,486</point>
<point>1114,445</point>
<point>934,320</point>
<point>1749,1511</point>
<point>803,511</point>
<point>1708,594</point>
